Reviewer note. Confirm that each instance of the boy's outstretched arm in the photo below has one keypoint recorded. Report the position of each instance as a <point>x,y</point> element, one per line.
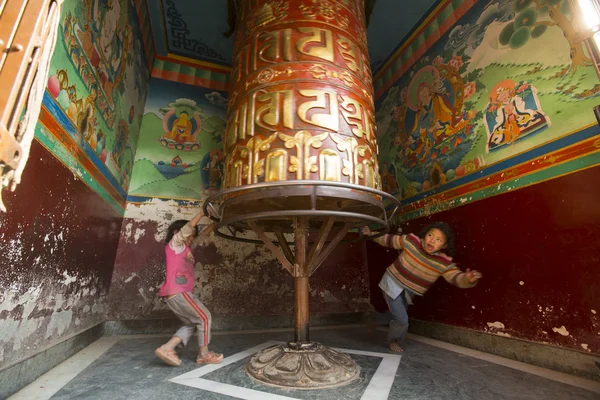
<point>463,280</point>
<point>393,241</point>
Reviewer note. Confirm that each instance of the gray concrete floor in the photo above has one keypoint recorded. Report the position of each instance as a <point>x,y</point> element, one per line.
<point>125,367</point>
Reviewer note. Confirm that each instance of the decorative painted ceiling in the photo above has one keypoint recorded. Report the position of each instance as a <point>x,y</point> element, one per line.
<point>193,30</point>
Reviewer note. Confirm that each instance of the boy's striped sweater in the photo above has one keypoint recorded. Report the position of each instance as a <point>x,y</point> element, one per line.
<point>417,270</point>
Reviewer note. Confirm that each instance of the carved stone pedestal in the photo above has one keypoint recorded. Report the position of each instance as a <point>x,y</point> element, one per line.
<point>303,366</point>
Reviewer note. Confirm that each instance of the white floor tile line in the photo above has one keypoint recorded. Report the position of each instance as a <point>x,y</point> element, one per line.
<point>582,383</point>
<point>201,371</point>
<point>52,381</point>
<point>381,383</point>
<point>231,390</point>
<point>378,388</point>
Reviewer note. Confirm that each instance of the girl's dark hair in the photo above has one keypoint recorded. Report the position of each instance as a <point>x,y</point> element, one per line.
<point>447,231</point>
<point>174,227</point>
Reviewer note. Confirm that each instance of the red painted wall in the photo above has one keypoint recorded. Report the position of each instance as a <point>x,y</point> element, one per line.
<point>538,249</point>
<point>58,242</point>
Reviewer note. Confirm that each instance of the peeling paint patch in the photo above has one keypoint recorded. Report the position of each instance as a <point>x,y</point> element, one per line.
<point>161,212</point>
<point>59,323</point>
<point>13,251</point>
<point>521,283</point>
<point>133,275</point>
<point>497,325</point>
<point>585,347</point>
<point>138,234</point>
<point>561,331</point>
<point>594,312</point>
<point>68,279</point>
<point>141,291</point>
<point>327,296</point>
<point>502,334</point>
<point>128,228</point>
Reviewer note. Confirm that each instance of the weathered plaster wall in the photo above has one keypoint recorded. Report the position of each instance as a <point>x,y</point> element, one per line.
<point>58,242</point>
<point>59,238</point>
<point>232,278</point>
<point>537,248</point>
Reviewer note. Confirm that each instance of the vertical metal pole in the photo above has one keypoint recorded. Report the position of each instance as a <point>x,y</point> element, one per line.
<point>301,281</point>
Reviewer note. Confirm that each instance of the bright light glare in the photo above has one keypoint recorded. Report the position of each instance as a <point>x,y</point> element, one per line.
<point>589,12</point>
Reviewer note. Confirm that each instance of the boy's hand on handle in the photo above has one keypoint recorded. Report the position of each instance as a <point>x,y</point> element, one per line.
<point>365,231</point>
<point>473,276</point>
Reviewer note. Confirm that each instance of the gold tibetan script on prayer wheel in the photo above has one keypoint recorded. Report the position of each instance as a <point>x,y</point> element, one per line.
<point>301,96</point>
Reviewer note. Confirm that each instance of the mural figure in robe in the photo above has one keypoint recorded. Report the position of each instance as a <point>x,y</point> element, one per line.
<point>514,112</point>
<point>212,166</point>
<point>433,121</point>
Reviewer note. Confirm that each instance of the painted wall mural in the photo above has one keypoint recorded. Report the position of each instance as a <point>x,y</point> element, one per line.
<point>179,152</point>
<point>507,78</point>
<point>96,91</point>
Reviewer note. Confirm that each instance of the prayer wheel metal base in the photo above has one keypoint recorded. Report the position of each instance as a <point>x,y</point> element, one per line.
<point>301,222</point>
<point>303,366</point>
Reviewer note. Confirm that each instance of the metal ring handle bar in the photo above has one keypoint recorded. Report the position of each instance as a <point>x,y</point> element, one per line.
<point>297,213</point>
<point>273,185</point>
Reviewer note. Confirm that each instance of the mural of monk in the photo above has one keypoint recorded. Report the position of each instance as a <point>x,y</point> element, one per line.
<point>508,128</point>
<point>513,112</point>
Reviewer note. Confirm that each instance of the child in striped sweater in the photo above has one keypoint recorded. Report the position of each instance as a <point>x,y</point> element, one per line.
<point>422,260</point>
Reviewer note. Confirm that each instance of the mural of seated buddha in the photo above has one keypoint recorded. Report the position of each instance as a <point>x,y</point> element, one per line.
<point>181,131</point>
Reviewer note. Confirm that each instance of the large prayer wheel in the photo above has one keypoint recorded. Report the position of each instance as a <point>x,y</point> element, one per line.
<point>301,151</point>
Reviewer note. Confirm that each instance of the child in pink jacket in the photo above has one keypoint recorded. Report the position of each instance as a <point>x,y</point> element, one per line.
<point>178,289</point>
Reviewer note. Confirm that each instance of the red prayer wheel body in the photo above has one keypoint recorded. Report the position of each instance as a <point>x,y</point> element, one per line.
<point>300,110</point>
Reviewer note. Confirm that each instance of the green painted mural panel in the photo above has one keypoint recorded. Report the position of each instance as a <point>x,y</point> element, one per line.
<point>98,83</point>
<point>505,79</point>
<point>180,153</point>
